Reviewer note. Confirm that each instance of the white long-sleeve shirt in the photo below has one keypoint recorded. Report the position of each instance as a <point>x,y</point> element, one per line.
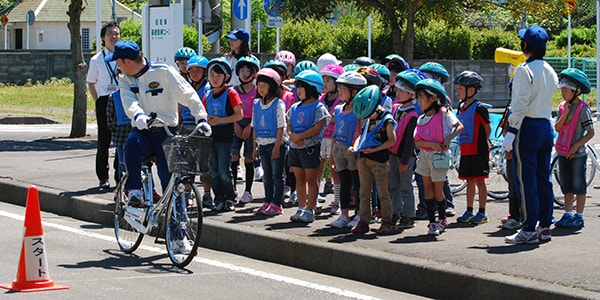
<point>158,88</point>
<point>533,86</point>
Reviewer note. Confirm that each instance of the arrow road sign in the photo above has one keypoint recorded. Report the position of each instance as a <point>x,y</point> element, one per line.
<point>239,9</point>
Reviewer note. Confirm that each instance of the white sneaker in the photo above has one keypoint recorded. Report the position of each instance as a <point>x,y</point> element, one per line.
<point>341,222</point>
<point>287,191</point>
<point>240,176</point>
<point>354,221</point>
<point>258,173</point>
<point>246,197</point>
<point>335,209</point>
<point>182,246</point>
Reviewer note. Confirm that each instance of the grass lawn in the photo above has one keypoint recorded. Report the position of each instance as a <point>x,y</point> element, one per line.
<point>53,99</point>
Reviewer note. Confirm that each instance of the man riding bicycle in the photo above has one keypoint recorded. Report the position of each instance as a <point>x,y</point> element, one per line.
<point>151,87</point>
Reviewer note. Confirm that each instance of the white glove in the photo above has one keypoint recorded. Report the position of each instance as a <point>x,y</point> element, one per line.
<point>507,144</point>
<point>204,128</point>
<point>141,122</point>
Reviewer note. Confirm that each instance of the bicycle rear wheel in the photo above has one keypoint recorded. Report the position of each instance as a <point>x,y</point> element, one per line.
<point>128,238</point>
<point>456,184</point>
<point>497,182</point>
<point>590,172</point>
<point>184,225</point>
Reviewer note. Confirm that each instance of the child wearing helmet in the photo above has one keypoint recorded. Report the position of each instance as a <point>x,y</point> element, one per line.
<point>347,128</point>
<point>306,120</point>
<point>402,160</point>
<point>330,97</point>
<point>374,78</point>
<point>181,57</point>
<point>575,128</point>
<point>377,135</point>
<point>473,140</point>
<point>436,127</point>
<point>395,64</point>
<point>289,59</point>
<point>246,69</point>
<point>268,122</point>
<point>224,108</point>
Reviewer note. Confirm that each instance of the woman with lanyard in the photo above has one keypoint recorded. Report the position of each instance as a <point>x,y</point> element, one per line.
<point>101,79</point>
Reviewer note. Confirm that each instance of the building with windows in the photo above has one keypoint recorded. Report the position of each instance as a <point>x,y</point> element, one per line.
<point>50,31</point>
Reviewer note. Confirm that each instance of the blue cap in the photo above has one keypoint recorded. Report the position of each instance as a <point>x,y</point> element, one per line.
<point>124,49</point>
<point>535,36</point>
<point>238,34</point>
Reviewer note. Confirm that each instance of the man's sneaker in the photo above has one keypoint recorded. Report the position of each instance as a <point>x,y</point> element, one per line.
<point>327,188</point>
<point>287,191</point>
<point>450,211</point>
<point>262,209</point>
<point>522,237</point>
<point>229,205</point>
<point>341,222</point>
<point>307,216</point>
<point>104,184</point>
<point>544,234</point>
<point>295,217</point>
<point>273,210</point>
<point>563,220</point>
<point>385,228</point>
<point>354,221</point>
<point>575,223</point>
<point>405,223</point>
<point>219,206</point>
<point>207,201</point>
<point>433,229</point>
<point>321,199</point>
<point>335,209</point>
<point>182,246</point>
<point>258,174</point>
<point>361,227</point>
<point>240,175</point>
<point>511,224</point>
<point>442,224</point>
<point>466,217</point>
<point>246,197</point>
<point>479,218</point>
<point>136,199</point>
<point>421,213</point>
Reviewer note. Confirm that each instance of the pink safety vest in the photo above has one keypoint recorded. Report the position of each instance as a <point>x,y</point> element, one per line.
<point>331,126</point>
<point>432,131</point>
<point>567,133</point>
<point>400,130</point>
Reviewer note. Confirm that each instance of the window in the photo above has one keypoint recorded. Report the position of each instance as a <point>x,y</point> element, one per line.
<point>85,38</point>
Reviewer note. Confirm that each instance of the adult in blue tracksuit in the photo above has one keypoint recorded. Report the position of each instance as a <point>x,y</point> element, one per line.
<point>530,137</point>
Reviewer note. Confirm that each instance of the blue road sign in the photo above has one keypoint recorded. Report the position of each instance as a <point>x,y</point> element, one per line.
<point>271,7</point>
<point>240,11</point>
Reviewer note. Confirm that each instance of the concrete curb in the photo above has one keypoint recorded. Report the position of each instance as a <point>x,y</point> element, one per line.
<point>408,274</point>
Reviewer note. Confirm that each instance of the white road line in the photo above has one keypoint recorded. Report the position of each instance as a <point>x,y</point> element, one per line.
<point>210,262</point>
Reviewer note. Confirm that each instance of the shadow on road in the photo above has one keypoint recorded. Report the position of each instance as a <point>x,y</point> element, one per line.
<point>51,144</point>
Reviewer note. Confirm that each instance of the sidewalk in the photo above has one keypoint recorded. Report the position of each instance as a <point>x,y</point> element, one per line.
<point>464,262</point>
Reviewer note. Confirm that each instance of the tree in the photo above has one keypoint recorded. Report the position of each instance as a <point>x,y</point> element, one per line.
<point>79,67</point>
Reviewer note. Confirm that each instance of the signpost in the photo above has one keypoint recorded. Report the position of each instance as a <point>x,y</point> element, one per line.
<point>30,20</point>
<point>570,6</point>
<point>4,21</point>
<point>274,21</point>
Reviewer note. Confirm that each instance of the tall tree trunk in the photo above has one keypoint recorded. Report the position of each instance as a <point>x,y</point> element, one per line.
<point>79,67</point>
<point>409,38</point>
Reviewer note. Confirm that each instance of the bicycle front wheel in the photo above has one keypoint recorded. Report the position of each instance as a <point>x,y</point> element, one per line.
<point>456,184</point>
<point>184,225</point>
<point>128,238</point>
<point>497,182</point>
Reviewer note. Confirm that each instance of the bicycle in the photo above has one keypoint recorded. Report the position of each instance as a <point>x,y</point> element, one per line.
<point>178,213</point>
<point>592,164</point>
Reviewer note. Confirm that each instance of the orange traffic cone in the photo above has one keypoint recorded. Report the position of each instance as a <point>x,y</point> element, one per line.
<point>32,274</point>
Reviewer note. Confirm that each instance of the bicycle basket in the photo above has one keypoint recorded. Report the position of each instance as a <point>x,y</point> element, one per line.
<point>187,155</point>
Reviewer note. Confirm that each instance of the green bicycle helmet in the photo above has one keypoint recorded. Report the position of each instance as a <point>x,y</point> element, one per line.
<point>577,77</point>
<point>250,61</point>
<point>278,66</point>
<point>436,71</point>
<point>311,78</point>
<point>383,71</point>
<point>408,79</point>
<point>366,101</point>
<point>469,78</point>
<point>222,64</point>
<point>184,53</point>
<point>432,87</point>
<point>305,65</point>
<point>351,67</point>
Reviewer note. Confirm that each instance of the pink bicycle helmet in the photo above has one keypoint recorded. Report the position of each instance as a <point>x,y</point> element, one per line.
<point>270,73</point>
<point>332,70</point>
<point>286,56</point>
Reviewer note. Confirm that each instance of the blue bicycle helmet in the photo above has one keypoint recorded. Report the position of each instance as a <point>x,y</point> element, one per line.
<point>250,61</point>
<point>184,53</point>
<point>366,101</point>
<point>436,71</point>
<point>197,61</point>
<point>577,77</point>
<point>432,87</point>
<point>305,65</point>
<point>311,78</point>
<point>351,67</point>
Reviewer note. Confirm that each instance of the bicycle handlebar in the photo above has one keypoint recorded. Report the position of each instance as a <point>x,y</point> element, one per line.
<point>154,119</point>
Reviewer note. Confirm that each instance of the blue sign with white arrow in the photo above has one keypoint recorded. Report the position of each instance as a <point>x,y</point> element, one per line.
<point>240,11</point>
